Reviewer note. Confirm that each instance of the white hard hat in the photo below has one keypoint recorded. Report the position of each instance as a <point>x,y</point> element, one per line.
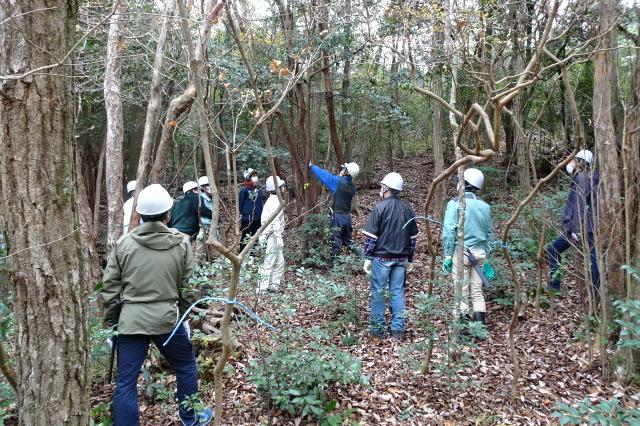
<point>352,168</point>
<point>247,173</point>
<point>393,180</point>
<point>153,200</point>
<point>585,155</point>
<point>474,177</point>
<point>188,186</point>
<point>203,180</point>
<point>131,186</point>
<point>270,186</point>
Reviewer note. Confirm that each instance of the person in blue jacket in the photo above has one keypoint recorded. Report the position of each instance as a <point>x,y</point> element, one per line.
<point>580,215</point>
<point>478,236</point>
<point>343,190</point>
<point>250,202</point>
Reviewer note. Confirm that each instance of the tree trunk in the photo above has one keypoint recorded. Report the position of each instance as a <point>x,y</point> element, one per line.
<point>150,123</point>
<point>346,83</point>
<point>610,225</point>
<point>328,86</point>
<point>113,106</point>
<point>38,200</point>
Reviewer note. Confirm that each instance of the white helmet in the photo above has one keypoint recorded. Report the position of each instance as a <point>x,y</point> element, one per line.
<point>153,200</point>
<point>352,168</point>
<point>247,173</point>
<point>131,186</point>
<point>270,186</point>
<point>203,180</point>
<point>474,177</point>
<point>188,186</point>
<point>585,155</point>
<point>393,180</point>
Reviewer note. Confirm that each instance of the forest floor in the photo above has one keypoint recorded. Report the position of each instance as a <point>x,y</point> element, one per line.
<point>474,387</point>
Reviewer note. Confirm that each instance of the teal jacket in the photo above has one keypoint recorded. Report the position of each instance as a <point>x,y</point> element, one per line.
<point>478,228</point>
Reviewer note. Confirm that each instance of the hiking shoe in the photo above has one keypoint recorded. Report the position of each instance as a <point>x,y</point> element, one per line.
<point>377,335</point>
<point>203,418</point>
<point>397,335</point>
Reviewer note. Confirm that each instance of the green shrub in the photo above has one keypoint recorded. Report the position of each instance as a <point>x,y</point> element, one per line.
<point>603,413</point>
<point>297,379</point>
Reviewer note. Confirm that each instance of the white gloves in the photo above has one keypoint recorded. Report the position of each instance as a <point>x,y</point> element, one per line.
<point>367,267</point>
<point>262,240</point>
<point>408,267</point>
<point>575,237</point>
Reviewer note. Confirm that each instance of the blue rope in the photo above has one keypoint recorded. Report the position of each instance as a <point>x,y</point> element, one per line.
<point>429,218</point>
<point>223,300</point>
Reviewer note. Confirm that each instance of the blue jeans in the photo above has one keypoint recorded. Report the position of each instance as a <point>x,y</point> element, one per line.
<point>559,246</point>
<point>132,351</point>
<point>393,273</point>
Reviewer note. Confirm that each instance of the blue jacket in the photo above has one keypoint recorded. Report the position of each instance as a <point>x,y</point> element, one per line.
<point>250,203</point>
<point>582,203</point>
<point>478,229</point>
<point>342,188</point>
<point>206,207</point>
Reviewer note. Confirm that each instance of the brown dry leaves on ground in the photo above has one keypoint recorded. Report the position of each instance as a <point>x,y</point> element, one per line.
<point>554,363</point>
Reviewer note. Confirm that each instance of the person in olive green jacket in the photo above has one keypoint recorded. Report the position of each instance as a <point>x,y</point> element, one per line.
<point>141,295</point>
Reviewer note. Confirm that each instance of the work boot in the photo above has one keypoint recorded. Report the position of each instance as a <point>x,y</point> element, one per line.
<point>481,318</point>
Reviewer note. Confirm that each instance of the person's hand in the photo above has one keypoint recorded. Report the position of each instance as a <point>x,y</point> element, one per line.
<point>279,242</point>
<point>488,270</point>
<point>575,237</point>
<point>447,265</point>
<point>310,164</point>
<point>262,240</point>
<point>367,267</point>
<point>408,267</point>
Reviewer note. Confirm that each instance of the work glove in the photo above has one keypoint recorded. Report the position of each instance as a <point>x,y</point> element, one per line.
<point>279,242</point>
<point>488,271</point>
<point>367,267</point>
<point>408,267</point>
<point>575,237</point>
<point>262,240</point>
<point>447,265</point>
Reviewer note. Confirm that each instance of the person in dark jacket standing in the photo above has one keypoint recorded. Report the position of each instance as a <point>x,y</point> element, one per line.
<point>579,218</point>
<point>250,202</point>
<point>389,247</point>
<point>184,215</point>
<point>342,190</point>
<point>142,281</point>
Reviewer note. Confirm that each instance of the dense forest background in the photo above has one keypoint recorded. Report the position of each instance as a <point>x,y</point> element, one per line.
<point>96,93</point>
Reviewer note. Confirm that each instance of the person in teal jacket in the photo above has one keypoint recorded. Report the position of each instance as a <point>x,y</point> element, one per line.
<point>478,235</point>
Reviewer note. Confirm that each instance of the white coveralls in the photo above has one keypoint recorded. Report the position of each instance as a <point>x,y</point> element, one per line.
<point>273,267</point>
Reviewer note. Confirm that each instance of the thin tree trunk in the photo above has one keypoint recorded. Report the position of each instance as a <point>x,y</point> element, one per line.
<point>328,85</point>
<point>113,106</point>
<point>177,107</point>
<point>346,83</point>
<point>153,108</point>
<point>38,201</point>
<point>98,195</point>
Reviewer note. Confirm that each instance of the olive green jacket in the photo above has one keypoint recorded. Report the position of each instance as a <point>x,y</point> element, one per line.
<point>147,269</point>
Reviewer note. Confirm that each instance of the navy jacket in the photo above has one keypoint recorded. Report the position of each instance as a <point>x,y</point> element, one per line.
<point>250,203</point>
<point>385,227</point>
<point>342,188</point>
<point>582,203</point>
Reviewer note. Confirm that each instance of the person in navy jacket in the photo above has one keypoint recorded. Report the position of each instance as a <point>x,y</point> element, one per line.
<point>343,190</point>
<point>250,202</point>
<point>579,218</point>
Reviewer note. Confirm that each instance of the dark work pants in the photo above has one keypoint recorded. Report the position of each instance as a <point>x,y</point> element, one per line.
<point>342,229</point>
<point>249,229</point>
<point>132,351</point>
<point>559,246</point>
